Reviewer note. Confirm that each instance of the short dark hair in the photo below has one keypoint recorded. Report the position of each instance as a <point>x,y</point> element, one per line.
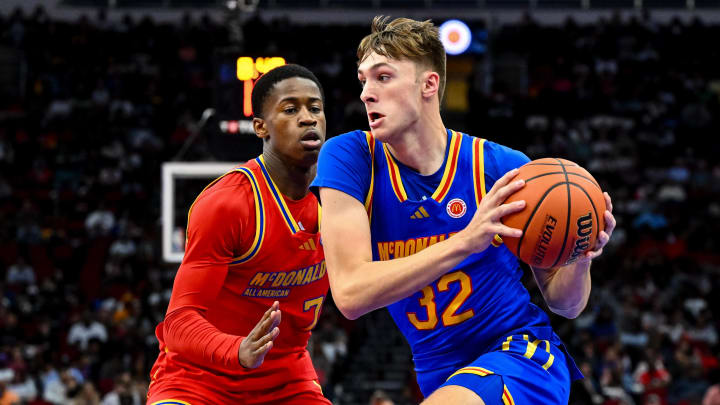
<point>266,82</point>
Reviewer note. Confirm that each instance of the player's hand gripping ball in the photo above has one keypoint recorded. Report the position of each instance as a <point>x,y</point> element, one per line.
<point>563,215</point>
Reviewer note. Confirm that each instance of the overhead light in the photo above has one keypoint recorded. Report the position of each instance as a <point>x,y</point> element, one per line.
<point>455,36</point>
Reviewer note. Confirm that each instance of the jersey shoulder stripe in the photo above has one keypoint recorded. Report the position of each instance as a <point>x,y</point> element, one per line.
<point>277,197</point>
<point>259,219</point>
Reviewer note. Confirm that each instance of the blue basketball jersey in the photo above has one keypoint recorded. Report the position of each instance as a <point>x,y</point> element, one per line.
<point>475,306</point>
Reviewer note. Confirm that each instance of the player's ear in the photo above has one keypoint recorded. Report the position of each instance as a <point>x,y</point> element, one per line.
<point>430,83</point>
<point>260,128</point>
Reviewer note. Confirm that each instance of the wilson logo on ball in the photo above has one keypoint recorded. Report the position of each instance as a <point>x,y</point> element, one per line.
<point>456,208</point>
<point>562,217</point>
<point>585,224</point>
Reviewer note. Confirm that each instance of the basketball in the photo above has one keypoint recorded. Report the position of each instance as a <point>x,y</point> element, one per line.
<point>563,215</point>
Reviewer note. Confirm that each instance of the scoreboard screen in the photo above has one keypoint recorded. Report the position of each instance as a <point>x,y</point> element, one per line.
<point>230,131</point>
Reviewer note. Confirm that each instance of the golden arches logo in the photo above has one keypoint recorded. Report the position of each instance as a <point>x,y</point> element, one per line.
<point>456,208</point>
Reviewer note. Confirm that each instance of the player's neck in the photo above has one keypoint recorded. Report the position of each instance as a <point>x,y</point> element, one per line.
<point>292,180</point>
<point>422,145</point>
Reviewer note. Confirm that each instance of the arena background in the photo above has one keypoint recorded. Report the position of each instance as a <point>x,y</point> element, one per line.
<point>96,95</point>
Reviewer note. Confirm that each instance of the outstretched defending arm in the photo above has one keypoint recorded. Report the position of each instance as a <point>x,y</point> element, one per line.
<point>211,240</point>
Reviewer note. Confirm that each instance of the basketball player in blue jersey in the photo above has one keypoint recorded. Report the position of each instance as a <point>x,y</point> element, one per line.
<point>412,222</point>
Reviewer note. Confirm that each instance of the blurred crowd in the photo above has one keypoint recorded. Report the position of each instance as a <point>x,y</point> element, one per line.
<point>101,104</point>
<point>637,104</point>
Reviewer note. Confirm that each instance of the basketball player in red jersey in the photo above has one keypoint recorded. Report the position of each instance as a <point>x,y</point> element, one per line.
<point>253,252</point>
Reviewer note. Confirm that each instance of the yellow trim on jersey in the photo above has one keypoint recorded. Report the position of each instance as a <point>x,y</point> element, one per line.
<point>507,398</point>
<point>471,370</point>
<point>371,148</point>
<point>531,347</point>
<point>551,358</point>
<point>450,167</point>
<point>395,179</point>
<point>506,344</point>
<point>319,386</point>
<point>478,150</point>
<point>154,376</point>
<point>278,197</point>
<point>259,230</point>
<point>170,402</point>
<point>259,220</point>
<point>479,175</point>
<point>449,173</point>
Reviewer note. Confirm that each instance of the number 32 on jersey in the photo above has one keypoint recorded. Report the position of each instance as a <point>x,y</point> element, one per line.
<point>449,314</point>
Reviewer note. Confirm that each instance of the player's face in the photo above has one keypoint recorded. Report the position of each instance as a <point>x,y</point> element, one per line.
<point>391,93</point>
<point>294,121</point>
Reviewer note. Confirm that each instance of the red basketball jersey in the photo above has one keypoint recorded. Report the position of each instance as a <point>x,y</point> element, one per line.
<point>274,254</point>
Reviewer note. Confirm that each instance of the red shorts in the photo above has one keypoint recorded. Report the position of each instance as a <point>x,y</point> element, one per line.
<point>296,393</point>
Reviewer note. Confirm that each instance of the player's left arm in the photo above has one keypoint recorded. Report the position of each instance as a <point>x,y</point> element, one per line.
<point>216,229</point>
<point>566,289</point>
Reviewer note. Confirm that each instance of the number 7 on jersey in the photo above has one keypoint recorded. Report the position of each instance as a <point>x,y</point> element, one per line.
<point>317,304</point>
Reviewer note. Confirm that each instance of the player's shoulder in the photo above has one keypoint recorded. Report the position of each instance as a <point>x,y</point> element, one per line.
<point>227,194</point>
<point>348,142</point>
<point>501,158</point>
<point>500,151</point>
<point>344,164</point>
<point>230,182</point>
<point>353,136</point>
<point>498,155</point>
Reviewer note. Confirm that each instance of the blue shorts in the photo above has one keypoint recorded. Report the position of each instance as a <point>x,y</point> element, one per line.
<point>522,370</point>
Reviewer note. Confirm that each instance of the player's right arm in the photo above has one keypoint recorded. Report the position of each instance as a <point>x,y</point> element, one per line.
<point>359,284</point>
<point>216,223</point>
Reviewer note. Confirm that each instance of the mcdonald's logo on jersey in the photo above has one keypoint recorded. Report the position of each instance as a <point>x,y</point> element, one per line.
<point>456,208</point>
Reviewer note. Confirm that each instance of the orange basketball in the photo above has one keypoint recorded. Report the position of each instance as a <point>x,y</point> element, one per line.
<point>563,215</point>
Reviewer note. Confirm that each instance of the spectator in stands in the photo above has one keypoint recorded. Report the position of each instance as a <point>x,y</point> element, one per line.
<point>635,102</point>
<point>8,397</point>
<point>125,392</point>
<point>612,386</point>
<point>65,390</point>
<point>123,247</point>
<point>653,377</point>
<point>20,273</point>
<point>100,222</point>
<point>85,329</point>
<point>24,386</point>
<point>379,397</point>
<point>88,395</point>
<point>704,330</point>
<point>587,390</point>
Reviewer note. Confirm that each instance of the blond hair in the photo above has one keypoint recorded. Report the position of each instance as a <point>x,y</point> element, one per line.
<point>403,38</point>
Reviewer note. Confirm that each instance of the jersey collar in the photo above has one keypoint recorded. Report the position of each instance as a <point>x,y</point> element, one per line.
<point>448,173</point>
